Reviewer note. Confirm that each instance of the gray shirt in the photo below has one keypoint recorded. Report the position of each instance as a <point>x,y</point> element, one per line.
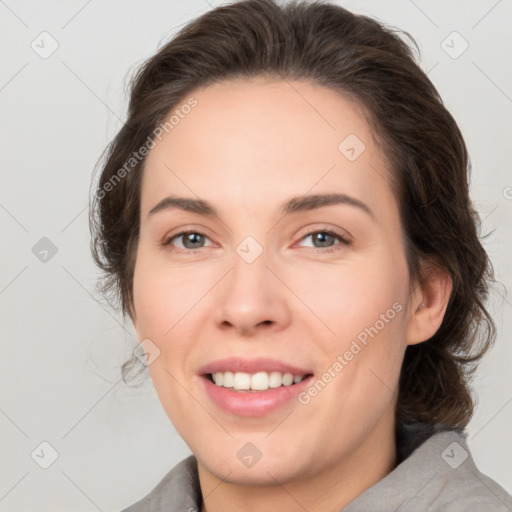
<point>435,472</point>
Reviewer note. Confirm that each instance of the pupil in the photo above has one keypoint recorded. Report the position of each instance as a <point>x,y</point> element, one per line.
<point>321,237</point>
<point>192,238</point>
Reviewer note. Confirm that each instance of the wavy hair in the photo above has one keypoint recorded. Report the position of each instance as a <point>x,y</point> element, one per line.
<point>365,61</point>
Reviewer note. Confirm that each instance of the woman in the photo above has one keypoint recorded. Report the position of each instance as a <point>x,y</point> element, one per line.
<point>285,218</point>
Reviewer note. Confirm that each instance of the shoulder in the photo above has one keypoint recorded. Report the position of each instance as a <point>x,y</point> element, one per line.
<point>452,482</point>
<point>178,490</point>
<point>457,483</point>
<point>438,475</point>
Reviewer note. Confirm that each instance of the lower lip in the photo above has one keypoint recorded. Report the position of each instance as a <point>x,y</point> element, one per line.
<point>253,403</point>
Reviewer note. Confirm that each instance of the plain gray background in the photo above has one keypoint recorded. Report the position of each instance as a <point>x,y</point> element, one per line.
<point>62,348</point>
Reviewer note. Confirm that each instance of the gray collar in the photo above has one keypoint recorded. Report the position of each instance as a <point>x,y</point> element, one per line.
<point>434,468</point>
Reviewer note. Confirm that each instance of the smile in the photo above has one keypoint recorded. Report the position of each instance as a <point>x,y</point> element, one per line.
<point>260,381</point>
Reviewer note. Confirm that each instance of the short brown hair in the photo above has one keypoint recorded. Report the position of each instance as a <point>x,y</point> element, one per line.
<point>368,62</point>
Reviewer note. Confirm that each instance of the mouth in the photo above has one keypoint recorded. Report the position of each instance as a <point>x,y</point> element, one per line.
<point>255,382</point>
<point>253,387</point>
<point>234,392</point>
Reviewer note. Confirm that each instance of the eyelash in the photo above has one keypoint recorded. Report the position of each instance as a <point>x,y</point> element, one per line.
<point>344,241</point>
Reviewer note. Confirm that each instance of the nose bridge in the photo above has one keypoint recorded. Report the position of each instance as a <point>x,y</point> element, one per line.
<point>251,294</point>
<point>249,279</point>
<point>249,269</point>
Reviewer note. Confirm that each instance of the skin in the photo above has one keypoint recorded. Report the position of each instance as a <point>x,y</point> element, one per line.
<point>247,147</point>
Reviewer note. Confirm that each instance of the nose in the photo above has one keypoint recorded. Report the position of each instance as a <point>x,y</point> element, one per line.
<point>251,299</point>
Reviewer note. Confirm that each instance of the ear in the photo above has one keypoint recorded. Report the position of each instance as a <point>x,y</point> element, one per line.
<point>428,305</point>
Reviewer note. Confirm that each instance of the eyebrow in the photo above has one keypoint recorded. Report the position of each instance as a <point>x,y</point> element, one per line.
<point>293,205</point>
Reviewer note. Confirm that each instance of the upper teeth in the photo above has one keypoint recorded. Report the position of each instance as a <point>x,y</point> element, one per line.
<point>257,381</point>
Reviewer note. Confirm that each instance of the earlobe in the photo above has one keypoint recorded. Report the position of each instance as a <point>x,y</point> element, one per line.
<point>429,306</point>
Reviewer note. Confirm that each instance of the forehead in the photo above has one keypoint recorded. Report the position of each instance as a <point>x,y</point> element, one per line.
<point>261,139</point>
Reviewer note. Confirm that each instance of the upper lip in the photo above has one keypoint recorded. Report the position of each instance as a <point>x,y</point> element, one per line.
<point>237,364</point>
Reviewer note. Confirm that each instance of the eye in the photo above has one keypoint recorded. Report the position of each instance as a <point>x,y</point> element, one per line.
<point>325,240</point>
<point>190,240</point>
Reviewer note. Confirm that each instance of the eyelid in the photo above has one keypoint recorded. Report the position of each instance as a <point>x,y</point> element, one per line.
<point>319,227</point>
<point>169,238</point>
<point>344,240</point>
<point>179,232</point>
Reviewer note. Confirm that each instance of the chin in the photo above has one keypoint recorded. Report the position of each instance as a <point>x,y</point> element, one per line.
<point>267,470</point>
<point>259,475</point>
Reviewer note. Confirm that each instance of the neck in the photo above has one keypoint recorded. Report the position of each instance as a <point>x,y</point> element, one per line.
<point>328,491</point>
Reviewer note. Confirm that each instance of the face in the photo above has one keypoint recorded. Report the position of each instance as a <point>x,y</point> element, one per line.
<point>318,289</point>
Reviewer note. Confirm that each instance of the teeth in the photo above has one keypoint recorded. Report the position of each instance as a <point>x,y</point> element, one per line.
<point>227,379</point>
<point>260,381</point>
<point>242,381</point>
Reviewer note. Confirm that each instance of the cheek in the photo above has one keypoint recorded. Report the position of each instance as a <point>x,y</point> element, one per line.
<point>163,303</point>
<point>364,306</point>
<point>150,307</point>
<point>162,296</point>
<point>368,317</point>
<point>352,297</point>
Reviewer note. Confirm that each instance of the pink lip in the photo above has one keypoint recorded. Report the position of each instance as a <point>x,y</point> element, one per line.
<point>236,364</point>
<point>251,403</point>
